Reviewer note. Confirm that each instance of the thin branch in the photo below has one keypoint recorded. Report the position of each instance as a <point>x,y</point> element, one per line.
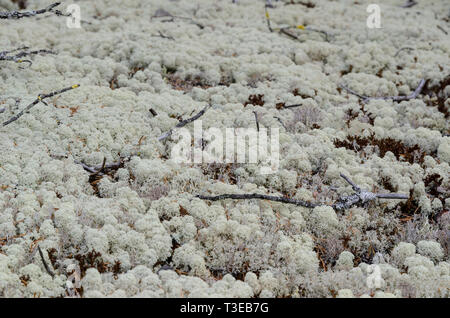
<point>161,13</point>
<point>161,35</point>
<point>409,4</point>
<point>258,196</point>
<point>183,123</point>
<point>256,119</point>
<point>402,49</point>
<point>18,57</point>
<point>47,268</point>
<point>284,30</point>
<point>39,99</point>
<point>281,122</point>
<point>292,106</point>
<point>19,15</point>
<point>394,98</point>
<point>359,198</point>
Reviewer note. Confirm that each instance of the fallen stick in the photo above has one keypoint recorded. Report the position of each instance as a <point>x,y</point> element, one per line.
<point>256,119</point>
<point>18,57</point>
<point>359,198</point>
<point>161,13</point>
<point>183,123</point>
<point>47,268</point>
<point>402,49</point>
<point>19,15</point>
<point>39,99</point>
<point>284,30</point>
<point>408,4</point>
<point>394,98</point>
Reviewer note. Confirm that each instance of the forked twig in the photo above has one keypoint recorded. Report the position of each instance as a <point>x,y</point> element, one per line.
<point>394,98</point>
<point>183,123</point>
<point>284,30</point>
<point>359,198</point>
<point>39,99</point>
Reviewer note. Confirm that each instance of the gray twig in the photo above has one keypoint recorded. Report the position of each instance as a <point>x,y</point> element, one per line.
<point>256,119</point>
<point>359,198</point>
<point>402,49</point>
<point>161,13</point>
<point>47,268</point>
<point>183,123</point>
<point>409,4</point>
<point>394,98</point>
<point>19,15</point>
<point>39,99</point>
<point>4,56</point>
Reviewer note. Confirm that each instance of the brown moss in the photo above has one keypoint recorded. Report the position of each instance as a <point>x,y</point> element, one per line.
<point>296,92</point>
<point>93,259</point>
<point>22,4</point>
<point>437,95</point>
<point>402,152</point>
<point>257,100</point>
<point>186,85</point>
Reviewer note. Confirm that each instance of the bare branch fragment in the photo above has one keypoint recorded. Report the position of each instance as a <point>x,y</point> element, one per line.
<point>161,13</point>
<point>4,56</point>
<point>359,198</point>
<point>394,98</point>
<point>14,15</point>
<point>256,119</point>
<point>184,123</point>
<point>39,99</point>
<point>258,196</point>
<point>409,4</point>
<point>47,268</point>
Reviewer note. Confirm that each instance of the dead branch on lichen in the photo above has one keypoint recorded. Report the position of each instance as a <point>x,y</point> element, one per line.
<point>168,37</point>
<point>18,58</point>
<point>14,15</point>
<point>358,198</point>
<point>284,30</point>
<point>403,49</point>
<point>39,99</point>
<point>161,13</point>
<point>409,4</point>
<point>47,268</point>
<point>256,119</point>
<point>394,98</point>
<point>184,123</point>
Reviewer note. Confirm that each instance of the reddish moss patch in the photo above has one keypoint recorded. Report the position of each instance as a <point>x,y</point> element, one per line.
<point>187,84</point>
<point>257,99</point>
<point>402,152</point>
<point>437,94</point>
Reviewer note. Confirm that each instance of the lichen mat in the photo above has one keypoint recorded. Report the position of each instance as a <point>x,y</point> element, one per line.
<point>92,203</point>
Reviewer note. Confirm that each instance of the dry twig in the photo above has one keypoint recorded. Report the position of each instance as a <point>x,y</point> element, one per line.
<point>47,268</point>
<point>284,30</point>
<point>19,15</point>
<point>184,123</point>
<point>359,198</point>
<point>394,98</point>
<point>161,13</point>
<point>39,99</point>
<point>256,119</point>
<point>4,56</point>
